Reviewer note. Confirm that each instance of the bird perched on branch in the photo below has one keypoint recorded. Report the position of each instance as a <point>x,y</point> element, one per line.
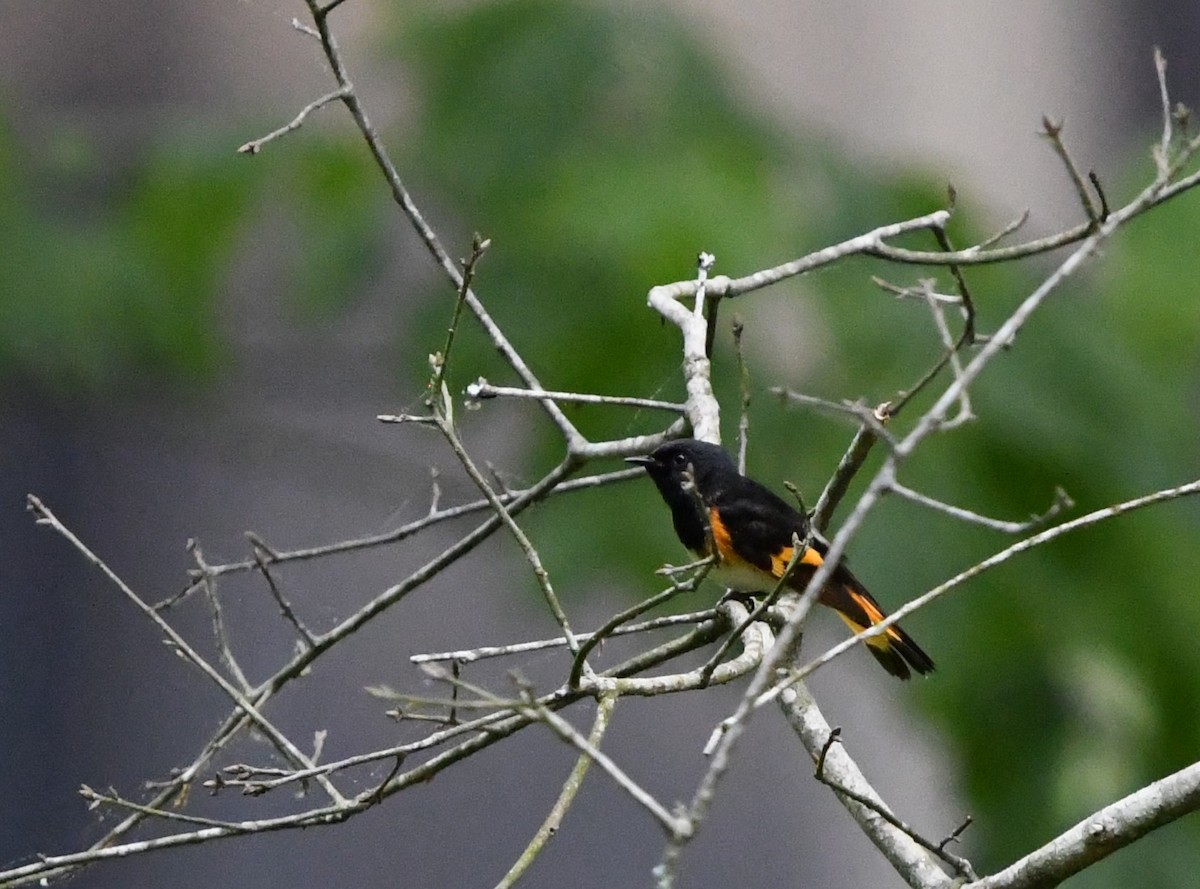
<point>753,531</point>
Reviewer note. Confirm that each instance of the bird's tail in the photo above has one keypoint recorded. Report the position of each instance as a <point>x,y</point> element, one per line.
<point>894,649</point>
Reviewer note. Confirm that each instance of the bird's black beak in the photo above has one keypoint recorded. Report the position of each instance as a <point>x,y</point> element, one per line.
<point>642,460</point>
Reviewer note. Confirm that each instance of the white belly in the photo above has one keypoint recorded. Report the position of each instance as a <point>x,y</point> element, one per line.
<point>742,578</point>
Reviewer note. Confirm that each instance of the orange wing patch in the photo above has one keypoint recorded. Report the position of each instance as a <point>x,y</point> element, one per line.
<point>783,558</point>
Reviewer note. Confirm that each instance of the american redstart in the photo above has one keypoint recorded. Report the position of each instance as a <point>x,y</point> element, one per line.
<point>753,529</point>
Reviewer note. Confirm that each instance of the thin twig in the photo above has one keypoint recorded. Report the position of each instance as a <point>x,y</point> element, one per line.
<point>1100,195</point>
<point>118,802</point>
<point>743,373</point>
<point>285,607</point>
<point>307,30</point>
<point>964,292</point>
<point>839,483</point>
<point>549,827</point>
<point>455,703</point>
<point>1062,501</point>
<point>954,835</point>
<point>435,491</point>
<point>951,348</point>
<point>254,146</point>
<point>446,425</point>
<point>424,231</point>
<point>1006,230</point>
<point>481,390</point>
<point>407,530</point>
<point>1163,152</point>
<point>611,626</point>
<point>441,360</point>
<point>960,864</point>
<point>1052,130</point>
<point>468,655</point>
<point>922,291</point>
<point>220,635</point>
<point>874,417</point>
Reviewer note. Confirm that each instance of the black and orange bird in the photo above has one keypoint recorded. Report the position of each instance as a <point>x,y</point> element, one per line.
<point>752,529</point>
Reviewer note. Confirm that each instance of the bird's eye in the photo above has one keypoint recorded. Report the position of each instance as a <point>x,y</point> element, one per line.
<point>680,459</point>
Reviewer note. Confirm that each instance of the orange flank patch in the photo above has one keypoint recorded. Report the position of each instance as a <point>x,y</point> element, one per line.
<point>721,537</point>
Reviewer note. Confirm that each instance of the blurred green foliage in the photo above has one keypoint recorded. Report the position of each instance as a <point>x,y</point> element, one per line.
<point>112,273</point>
<point>600,149</point>
<point>129,284</point>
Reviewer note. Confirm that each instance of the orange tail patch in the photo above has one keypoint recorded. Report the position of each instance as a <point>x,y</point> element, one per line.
<point>873,612</point>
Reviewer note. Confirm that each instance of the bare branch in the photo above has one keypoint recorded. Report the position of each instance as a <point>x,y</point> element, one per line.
<point>1061,502</point>
<point>441,360</point>
<point>1053,132</point>
<point>531,554</point>
<point>744,385</point>
<point>848,467</point>
<point>868,243</point>
<point>285,607</point>
<point>224,650</point>
<point>468,655</point>
<point>433,518</point>
<point>703,412</point>
<point>481,390</point>
<point>1102,833</point>
<point>961,865</point>
<point>915,864</point>
<point>763,652</point>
